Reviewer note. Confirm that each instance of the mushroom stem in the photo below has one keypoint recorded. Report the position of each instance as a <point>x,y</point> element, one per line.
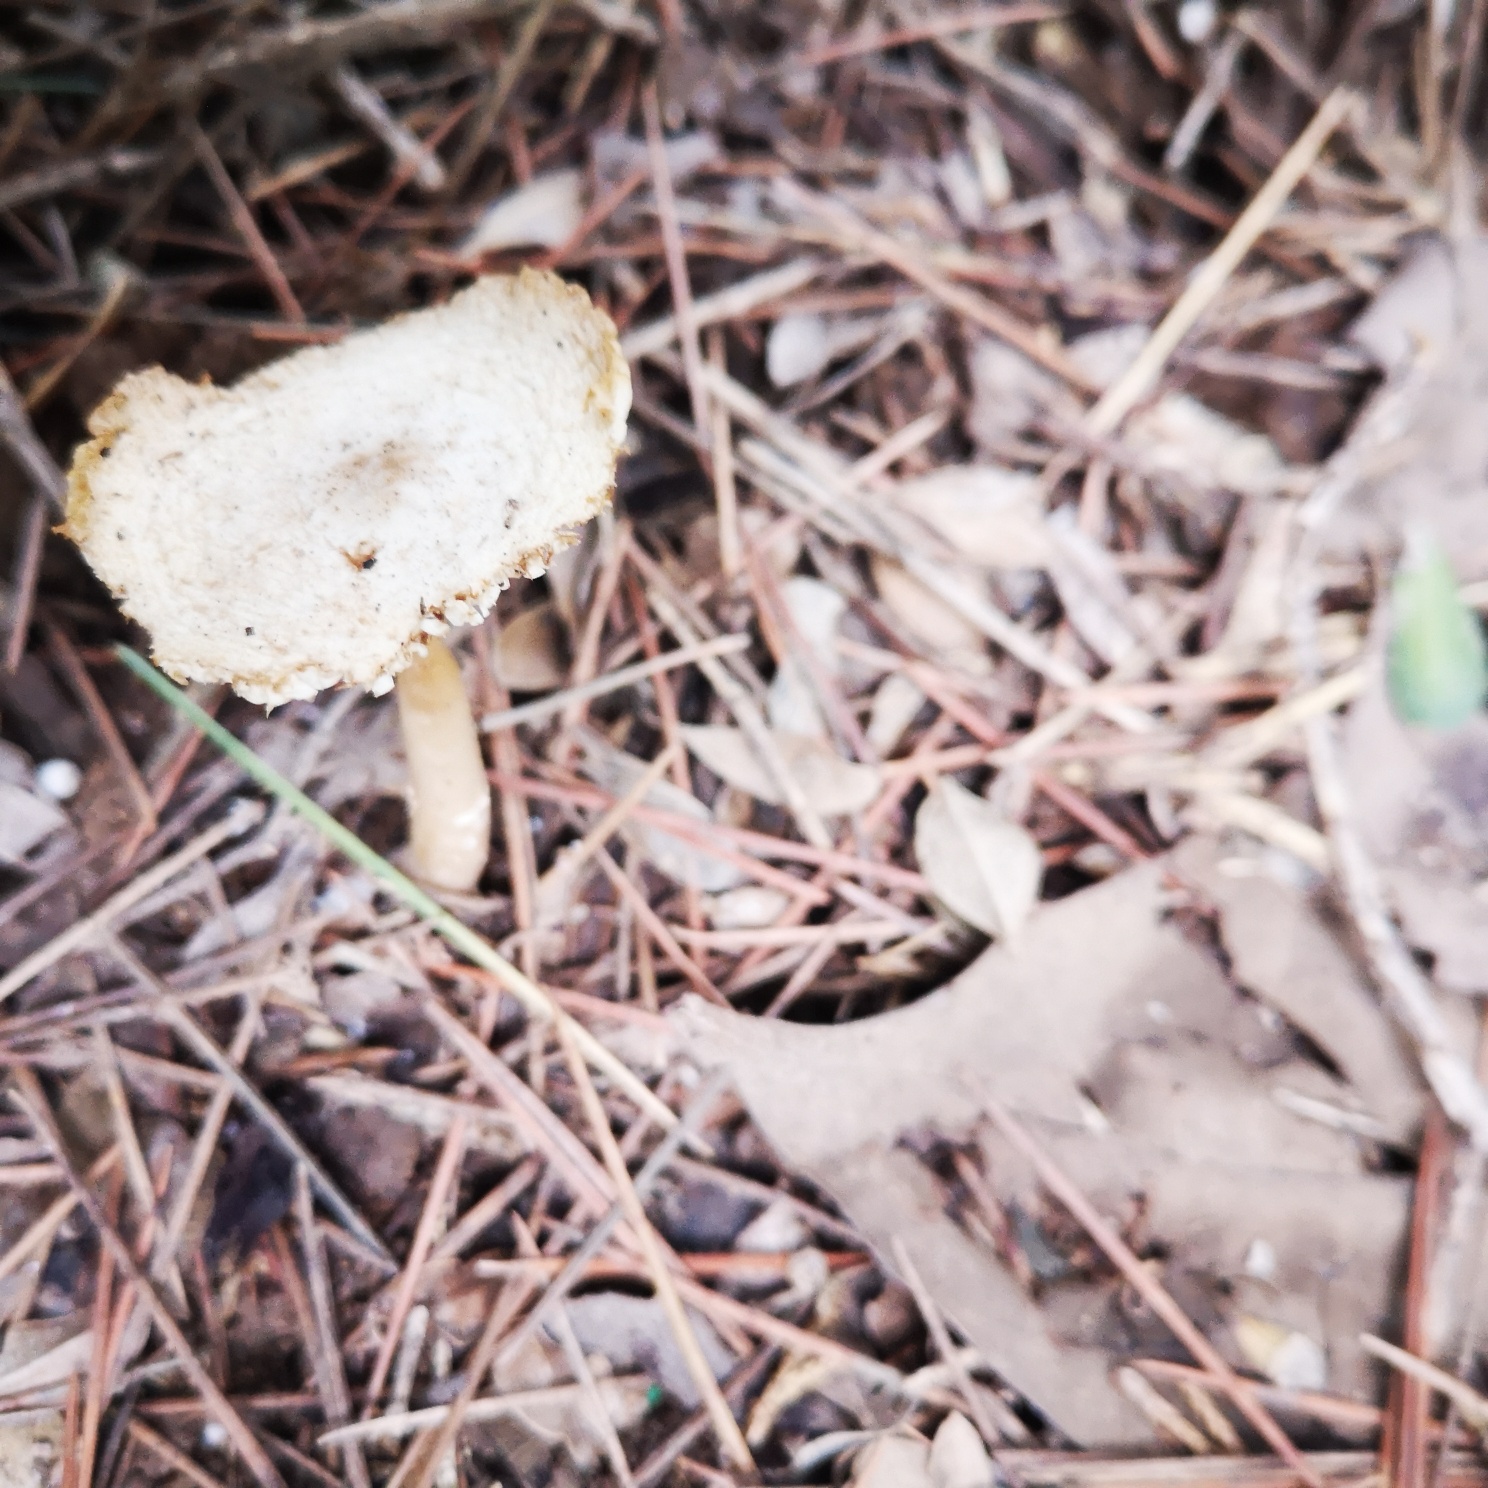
<point>449,797</point>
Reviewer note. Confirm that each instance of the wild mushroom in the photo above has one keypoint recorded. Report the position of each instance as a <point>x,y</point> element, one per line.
<point>325,519</point>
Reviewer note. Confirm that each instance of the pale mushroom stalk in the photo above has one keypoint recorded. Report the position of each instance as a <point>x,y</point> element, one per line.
<point>449,797</point>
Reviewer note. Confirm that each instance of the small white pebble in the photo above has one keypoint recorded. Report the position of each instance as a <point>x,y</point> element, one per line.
<point>214,1436</point>
<point>1260,1259</point>
<point>1196,20</point>
<point>58,778</point>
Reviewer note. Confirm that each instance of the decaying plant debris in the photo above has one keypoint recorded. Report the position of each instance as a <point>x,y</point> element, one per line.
<point>986,977</point>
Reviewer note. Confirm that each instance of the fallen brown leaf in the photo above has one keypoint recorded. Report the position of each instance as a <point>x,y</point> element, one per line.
<point>1102,997</point>
<point>983,867</point>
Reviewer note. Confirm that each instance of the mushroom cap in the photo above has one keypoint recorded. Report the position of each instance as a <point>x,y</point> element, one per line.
<point>311,524</point>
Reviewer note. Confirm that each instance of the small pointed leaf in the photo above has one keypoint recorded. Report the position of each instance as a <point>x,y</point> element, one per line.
<point>1438,661</point>
<point>984,868</point>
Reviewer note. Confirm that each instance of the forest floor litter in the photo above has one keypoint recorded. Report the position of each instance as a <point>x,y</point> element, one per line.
<point>977,976</point>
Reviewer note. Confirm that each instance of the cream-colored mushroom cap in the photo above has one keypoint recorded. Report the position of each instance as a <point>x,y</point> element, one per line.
<point>310,525</point>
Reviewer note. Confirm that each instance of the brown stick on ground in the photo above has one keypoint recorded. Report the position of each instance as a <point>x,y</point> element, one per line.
<point>330,1369</point>
<point>49,487</point>
<point>1151,1291</point>
<point>730,1439</point>
<point>676,259</point>
<point>1403,1450</point>
<point>446,1174</point>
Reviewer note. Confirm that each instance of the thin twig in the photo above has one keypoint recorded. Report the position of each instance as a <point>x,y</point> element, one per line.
<point>78,934</point>
<point>458,934</point>
<point>1133,385</point>
<point>513,64</point>
<point>860,235</point>
<point>540,708</point>
<point>365,103</point>
<point>599,1415</point>
<point>1472,1405</point>
<point>663,934</point>
<point>50,486</point>
<point>486,1211</point>
<point>725,490</point>
<point>329,1367</point>
<point>210,1053</point>
<point>936,1325</point>
<point>724,304</point>
<point>676,257</point>
<point>446,1172</point>
<point>422,1460</point>
<point>170,1454</point>
<point>725,1428</point>
<point>243,220</point>
<point>1406,989</point>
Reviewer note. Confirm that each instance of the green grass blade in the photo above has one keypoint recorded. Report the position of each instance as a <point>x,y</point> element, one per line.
<point>1438,661</point>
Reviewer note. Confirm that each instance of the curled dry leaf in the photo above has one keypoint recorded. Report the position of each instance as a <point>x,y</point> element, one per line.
<point>990,516</point>
<point>544,213</point>
<point>958,1458</point>
<point>984,868</point>
<point>616,154</point>
<point>833,785</point>
<point>1082,248</point>
<point>746,908</point>
<point>984,141</point>
<point>963,189</point>
<point>895,704</point>
<point>1104,354</point>
<point>1010,394</point>
<point>26,821</point>
<point>1094,597</point>
<point>28,816</point>
<point>943,632</point>
<point>816,609</point>
<point>802,344</point>
<point>1179,435</point>
<point>897,1460</point>
<point>528,655</point>
<point>44,1352</point>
